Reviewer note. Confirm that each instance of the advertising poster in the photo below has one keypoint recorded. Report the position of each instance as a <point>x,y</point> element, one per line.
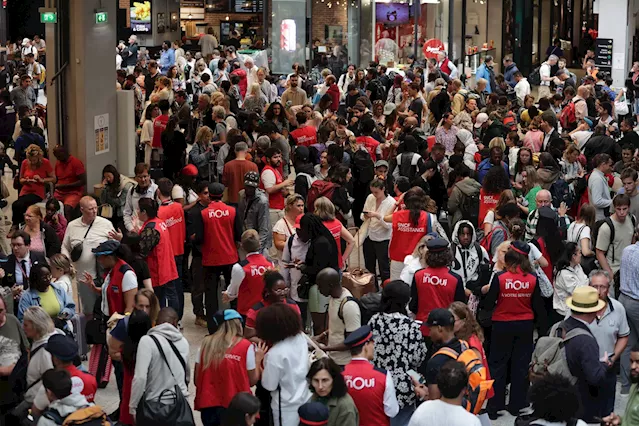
<point>140,16</point>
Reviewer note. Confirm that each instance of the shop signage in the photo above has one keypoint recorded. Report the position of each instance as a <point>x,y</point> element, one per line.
<point>604,53</point>
<point>432,47</point>
<point>140,15</point>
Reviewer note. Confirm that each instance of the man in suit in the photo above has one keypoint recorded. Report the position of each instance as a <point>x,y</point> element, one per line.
<point>549,126</point>
<point>15,269</point>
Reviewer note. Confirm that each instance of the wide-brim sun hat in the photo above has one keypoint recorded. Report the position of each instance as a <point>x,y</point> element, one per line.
<point>586,300</point>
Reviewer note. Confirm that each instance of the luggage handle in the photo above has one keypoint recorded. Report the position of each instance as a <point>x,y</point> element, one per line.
<point>355,238</point>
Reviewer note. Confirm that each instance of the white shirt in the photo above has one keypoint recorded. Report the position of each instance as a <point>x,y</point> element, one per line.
<point>268,178</point>
<point>522,89</point>
<point>378,230</point>
<point>567,280</point>
<point>292,275</point>
<point>583,230</point>
<point>389,400</point>
<point>439,413</point>
<point>75,234</point>
<point>286,365</point>
<point>545,71</point>
<point>177,192</point>
<point>581,137</point>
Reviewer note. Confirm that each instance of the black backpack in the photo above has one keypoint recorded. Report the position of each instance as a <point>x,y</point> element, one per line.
<point>380,93</point>
<point>470,207</point>
<point>18,376</point>
<point>369,305</point>
<point>362,166</point>
<point>406,168</point>
<point>534,77</point>
<point>609,222</point>
<point>560,193</point>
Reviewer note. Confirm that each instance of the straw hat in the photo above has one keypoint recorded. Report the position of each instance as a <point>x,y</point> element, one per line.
<point>585,299</point>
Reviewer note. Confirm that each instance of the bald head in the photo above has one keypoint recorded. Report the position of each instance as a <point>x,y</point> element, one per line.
<point>328,279</point>
<point>584,92</point>
<point>543,198</point>
<point>411,121</point>
<point>88,208</point>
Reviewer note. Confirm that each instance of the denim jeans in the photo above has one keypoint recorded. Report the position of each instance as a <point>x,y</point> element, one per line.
<point>179,287</point>
<point>167,295</point>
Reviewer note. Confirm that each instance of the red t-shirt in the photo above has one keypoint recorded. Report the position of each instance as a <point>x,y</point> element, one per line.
<point>68,172</point>
<point>159,124</point>
<point>27,173</point>
<point>335,227</point>
<point>252,313</point>
<point>86,386</point>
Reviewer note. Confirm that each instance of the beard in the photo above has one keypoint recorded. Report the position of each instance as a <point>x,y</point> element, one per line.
<point>634,378</point>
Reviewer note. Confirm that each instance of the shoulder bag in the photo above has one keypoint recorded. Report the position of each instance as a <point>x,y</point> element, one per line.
<point>175,413</point>
<point>76,251</point>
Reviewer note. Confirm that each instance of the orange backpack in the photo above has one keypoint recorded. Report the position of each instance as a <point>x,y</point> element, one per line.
<point>479,386</point>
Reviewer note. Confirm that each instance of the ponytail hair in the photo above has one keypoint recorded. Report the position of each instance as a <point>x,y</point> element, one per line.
<point>62,262</point>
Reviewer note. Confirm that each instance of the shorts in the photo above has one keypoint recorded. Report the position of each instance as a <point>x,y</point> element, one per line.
<point>318,304</point>
<point>68,199</point>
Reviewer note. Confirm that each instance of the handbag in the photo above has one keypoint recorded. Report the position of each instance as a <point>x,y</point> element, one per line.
<point>621,107</point>
<point>76,251</point>
<point>304,286</point>
<point>546,289</point>
<point>155,412</point>
<point>359,281</point>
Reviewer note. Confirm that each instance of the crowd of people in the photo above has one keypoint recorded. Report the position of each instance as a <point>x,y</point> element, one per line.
<point>486,218</point>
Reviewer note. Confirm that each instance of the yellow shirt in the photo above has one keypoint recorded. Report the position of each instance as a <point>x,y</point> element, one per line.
<point>49,302</point>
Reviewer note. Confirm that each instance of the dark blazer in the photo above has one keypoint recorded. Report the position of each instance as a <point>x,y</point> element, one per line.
<point>52,244</point>
<point>583,359</point>
<point>9,266</point>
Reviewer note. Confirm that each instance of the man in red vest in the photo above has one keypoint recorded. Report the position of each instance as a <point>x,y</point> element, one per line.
<point>173,216</point>
<point>371,388</point>
<point>247,284</point>
<point>155,246</point>
<point>272,182</point>
<point>304,135</point>
<point>221,229</point>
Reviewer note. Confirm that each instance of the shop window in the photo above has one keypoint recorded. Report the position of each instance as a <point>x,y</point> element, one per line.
<point>288,34</point>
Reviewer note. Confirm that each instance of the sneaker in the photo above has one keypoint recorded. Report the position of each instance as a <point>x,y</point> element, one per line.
<point>201,322</point>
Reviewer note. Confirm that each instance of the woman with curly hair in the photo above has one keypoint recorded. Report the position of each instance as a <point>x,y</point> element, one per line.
<point>35,173</point>
<point>435,286</point>
<point>555,400</point>
<point>495,182</point>
<point>328,387</point>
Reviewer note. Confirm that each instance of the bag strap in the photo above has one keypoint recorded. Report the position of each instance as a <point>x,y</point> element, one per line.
<point>164,357</point>
<point>344,302</point>
<point>182,362</point>
<point>87,233</point>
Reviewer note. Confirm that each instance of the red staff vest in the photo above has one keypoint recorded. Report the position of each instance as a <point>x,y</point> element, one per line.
<point>276,199</point>
<point>305,136</point>
<point>218,244</point>
<point>370,144</point>
<point>162,265</point>
<point>436,288</point>
<point>217,385</point>
<point>405,236</point>
<point>515,297</point>
<point>366,385</point>
<point>487,202</point>
<point>115,296</point>
<point>173,216</point>
<point>250,292</point>
<point>335,227</point>
<point>444,67</point>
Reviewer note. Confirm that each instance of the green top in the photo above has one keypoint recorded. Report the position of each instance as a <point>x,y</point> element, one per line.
<point>342,411</point>
<point>631,412</point>
<point>531,197</point>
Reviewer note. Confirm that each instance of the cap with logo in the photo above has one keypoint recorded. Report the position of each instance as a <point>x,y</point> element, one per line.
<point>440,317</point>
<point>251,179</point>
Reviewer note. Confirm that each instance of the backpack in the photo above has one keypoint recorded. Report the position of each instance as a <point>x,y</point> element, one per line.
<point>509,122</point>
<point>470,207</point>
<point>307,86</point>
<point>560,192</point>
<point>369,305</point>
<point>406,168</point>
<point>549,356</point>
<point>90,415</point>
<point>568,118</point>
<point>380,93</point>
<point>320,188</point>
<point>18,376</point>
<point>534,77</point>
<point>486,240</point>
<point>609,222</point>
<point>362,166</point>
<point>478,386</point>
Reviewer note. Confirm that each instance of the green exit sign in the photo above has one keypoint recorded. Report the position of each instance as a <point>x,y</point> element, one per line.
<point>101,17</point>
<point>48,17</point>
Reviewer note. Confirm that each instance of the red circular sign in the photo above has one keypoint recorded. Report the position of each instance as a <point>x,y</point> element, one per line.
<point>432,47</point>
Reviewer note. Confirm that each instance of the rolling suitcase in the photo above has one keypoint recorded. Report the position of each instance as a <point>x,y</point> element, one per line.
<point>79,322</point>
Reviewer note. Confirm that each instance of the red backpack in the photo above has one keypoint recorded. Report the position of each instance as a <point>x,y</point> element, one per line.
<point>568,116</point>
<point>487,239</point>
<point>319,188</point>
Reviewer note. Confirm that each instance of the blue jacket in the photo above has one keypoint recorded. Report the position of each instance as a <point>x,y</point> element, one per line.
<point>483,72</point>
<point>485,166</point>
<point>167,58</point>
<point>30,298</point>
<point>508,74</point>
<point>583,355</point>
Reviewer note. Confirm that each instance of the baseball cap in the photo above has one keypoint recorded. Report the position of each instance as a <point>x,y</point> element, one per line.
<point>381,163</point>
<point>481,119</point>
<point>440,316</point>
<point>313,413</point>
<point>25,41</point>
<point>437,245</point>
<point>216,189</point>
<point>389,108</point>
<point>252,179</point>
<point>62,347</point>
<point>106,248</point>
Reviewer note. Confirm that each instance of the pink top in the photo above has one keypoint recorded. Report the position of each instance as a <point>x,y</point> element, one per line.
<point>37,243</point>
<point>59,227</point>
<point>533,140</point>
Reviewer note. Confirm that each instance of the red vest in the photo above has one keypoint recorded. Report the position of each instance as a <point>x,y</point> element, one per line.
<point>435,288</point>
<point>217,385</point>
<point>276,199</point>
<point>370,144</point>
<point>159,124</point>
<point>366,385</point>
<point>335,227</point>
<point>218,244</point>
<point>115,296</point>
<point>548,270</point>
<point>162,265</point>
<point>305,136</point>
<point>173,216</point>
<point>405,236</point>
<point>514,299</point>
<point>444,67</point>
<point>252,285</point>
<point>487,202</point>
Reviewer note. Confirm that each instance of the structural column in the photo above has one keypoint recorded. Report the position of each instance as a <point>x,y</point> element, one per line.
<point>613,24</point>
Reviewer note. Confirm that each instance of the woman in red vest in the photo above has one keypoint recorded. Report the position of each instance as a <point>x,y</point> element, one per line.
<point>326,211</point>
<point>409,226</point>
<point>518,302</point>
<point>226,365</point>
<point>495,181</point>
